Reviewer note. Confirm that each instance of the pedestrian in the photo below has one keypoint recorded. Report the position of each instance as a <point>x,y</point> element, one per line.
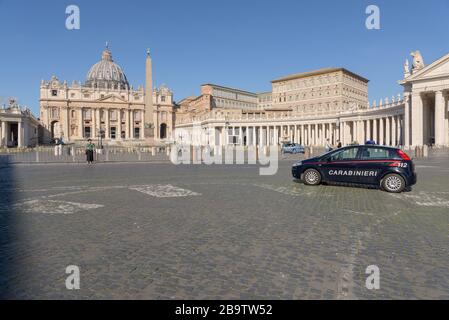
<point>328,146</point>
<point>90,147</point>
<point>339,144</point>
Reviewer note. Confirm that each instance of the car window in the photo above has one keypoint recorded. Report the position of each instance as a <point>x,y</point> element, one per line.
<point>377,153</point>
<point>346,154</point>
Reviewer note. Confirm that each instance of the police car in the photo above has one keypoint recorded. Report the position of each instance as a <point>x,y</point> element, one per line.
<point>390,168</point>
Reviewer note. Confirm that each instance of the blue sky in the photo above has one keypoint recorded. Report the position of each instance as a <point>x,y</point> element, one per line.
<point>242,44</point>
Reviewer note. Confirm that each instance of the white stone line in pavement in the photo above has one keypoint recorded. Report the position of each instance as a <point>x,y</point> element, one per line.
<point>50,207</point>
<point>164,191</point>
<point>291,191</point>
<point>424,199</point>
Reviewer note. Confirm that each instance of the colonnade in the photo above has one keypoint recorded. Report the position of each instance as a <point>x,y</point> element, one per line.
<point>387,130</point>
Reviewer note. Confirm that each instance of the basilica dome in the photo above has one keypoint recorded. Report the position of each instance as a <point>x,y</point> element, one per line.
<point>107,74</point>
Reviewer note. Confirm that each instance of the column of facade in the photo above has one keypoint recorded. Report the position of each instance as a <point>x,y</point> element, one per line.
<point>96,123</point>
<point>5,133</point>
<point>405,132</point>
<point>118,129</point>
<point>20,134</point>
<point>107,133</point>
<point>80,124</point>
<point>66,124</point>
<point>127,124</point>
<point>440,112</point>
<point>142,128</point>
<point>302,135</point>
<point>417,120</point>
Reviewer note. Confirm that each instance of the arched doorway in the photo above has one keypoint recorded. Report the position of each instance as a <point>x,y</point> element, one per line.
<point>163,131</point>
<point>55,130</point>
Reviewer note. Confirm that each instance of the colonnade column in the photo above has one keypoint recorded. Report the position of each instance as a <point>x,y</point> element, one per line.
<point>375,136</point>
<point>417,120</point>
<point>20,134</point>
<point>394,139</point>
<point>368,130</point>
<point>302,136</point>
<point>406,126</point>
<point>387,131</point>
<point>440,134</point>
<point>381,132</point>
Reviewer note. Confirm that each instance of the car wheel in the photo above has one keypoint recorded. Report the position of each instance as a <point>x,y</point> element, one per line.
<point>312,177</point>
<point>393,183</point>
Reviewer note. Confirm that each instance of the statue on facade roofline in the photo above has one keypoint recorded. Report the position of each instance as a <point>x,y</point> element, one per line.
<point>406,68</point>
<point>418,61</point>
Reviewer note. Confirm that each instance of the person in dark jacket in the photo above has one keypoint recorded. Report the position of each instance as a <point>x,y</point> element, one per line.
<point>90,147</point>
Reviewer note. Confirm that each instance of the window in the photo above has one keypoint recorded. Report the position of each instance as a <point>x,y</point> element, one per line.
<point>54,93</point>
<point>113,133</point>
<point>113,115</point>
<point>87,114</point>
<point>86,132</point>
<point>347,154</point>
<point>137,133</point>
<point>163,98</point>
<point>378,153</point>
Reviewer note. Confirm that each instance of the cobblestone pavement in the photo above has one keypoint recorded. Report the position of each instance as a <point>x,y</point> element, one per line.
<point>158,231</point>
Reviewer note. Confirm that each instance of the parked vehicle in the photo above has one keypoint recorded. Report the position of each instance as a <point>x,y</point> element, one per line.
<point>389,168</point>
<point>293,148</point>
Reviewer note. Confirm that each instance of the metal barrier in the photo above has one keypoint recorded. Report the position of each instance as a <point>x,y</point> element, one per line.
<point>74,154</point>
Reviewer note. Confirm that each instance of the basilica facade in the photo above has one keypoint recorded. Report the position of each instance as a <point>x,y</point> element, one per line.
<point>105,106</point>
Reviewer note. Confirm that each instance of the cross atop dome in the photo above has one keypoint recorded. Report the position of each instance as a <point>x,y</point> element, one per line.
<point>106,55</point>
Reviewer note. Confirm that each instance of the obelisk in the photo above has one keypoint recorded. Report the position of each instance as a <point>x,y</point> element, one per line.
<point>149,121</point>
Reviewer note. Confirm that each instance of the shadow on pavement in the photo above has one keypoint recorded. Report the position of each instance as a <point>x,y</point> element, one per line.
<point>8,225</point>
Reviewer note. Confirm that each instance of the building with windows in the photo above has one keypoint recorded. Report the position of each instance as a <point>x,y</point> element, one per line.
<point>18,127</point>
<point>330,104</point>
<point>106,106</point>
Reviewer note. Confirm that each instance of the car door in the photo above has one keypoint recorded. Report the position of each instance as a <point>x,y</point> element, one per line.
<point>374,162</point>
<point>340,165</point>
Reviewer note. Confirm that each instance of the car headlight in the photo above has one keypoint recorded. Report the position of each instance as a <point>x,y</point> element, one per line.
<point>297,164</point>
